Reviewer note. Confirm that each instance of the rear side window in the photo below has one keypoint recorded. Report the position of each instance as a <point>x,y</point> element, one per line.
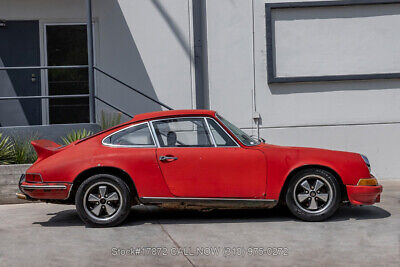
<point>138,135</point>
<point>220,136</point>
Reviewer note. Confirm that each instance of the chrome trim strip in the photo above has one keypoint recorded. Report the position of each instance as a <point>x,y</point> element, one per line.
<point>180,117</point>
<point>209,132</point>
<point>173,199</point>
<point>44,186</point>
<point>131,146</point>
<point>153,132</point>
<point>69,191</point>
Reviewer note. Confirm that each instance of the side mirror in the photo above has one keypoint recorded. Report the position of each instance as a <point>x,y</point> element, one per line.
<point>260,139</point>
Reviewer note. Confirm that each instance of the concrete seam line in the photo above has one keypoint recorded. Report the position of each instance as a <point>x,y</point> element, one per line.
<point>173,240</point>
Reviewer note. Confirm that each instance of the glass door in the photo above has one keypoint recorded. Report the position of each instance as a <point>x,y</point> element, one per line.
<point>66,45</point>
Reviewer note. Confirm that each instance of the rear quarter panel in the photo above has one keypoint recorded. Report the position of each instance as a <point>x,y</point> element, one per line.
<point>139,163</point>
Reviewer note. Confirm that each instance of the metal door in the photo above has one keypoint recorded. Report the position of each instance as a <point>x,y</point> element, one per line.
<point>19,47</point>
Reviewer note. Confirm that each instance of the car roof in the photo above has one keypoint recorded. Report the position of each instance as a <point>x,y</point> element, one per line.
<point>172,113</point>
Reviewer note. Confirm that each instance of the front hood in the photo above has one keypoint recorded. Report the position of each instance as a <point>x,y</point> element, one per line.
<point>307,150</point>
<point>300,156</point>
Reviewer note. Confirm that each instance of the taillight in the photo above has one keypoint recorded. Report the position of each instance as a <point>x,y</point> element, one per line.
<point>33,178</point>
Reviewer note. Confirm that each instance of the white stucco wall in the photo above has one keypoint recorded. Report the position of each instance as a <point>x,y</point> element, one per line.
<point>239,38</point>
<point>148,45</point>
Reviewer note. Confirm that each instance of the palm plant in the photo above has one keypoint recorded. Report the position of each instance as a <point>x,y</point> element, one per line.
<point>6,150</point>
<point>109,120</point>
<point>76,135</point>
<point>22,150</point>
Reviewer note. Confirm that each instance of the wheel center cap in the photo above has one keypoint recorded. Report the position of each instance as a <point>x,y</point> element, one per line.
<point>312,193</point>
<point>102,201</point>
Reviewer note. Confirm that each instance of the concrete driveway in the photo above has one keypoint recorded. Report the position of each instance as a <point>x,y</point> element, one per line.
<point>40,234</point>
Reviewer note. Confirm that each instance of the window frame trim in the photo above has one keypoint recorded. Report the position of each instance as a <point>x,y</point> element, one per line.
<point>230,136</point>
<point>270,43</point>
<point>154,145</point>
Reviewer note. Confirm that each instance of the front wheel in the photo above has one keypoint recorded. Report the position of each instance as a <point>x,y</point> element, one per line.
<point>103,200</point>
<point>313,195</point>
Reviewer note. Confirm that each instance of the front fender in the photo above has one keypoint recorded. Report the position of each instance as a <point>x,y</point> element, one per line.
<point>282,161</point>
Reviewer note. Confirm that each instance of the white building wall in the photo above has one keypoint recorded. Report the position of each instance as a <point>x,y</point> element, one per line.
<point>230,59</point>
<point>359,116</point>
<point>144,43</point>
<point>148,45</point>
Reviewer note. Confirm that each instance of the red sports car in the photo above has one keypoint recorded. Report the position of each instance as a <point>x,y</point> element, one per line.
<point>193,159</point>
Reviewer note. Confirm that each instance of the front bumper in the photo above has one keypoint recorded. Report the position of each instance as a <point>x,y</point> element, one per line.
<point>59,191</point>
<point>364,195</point>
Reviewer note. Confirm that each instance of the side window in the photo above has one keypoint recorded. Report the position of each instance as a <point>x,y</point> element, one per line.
<point>220,136</point>
<point>132,136</point>
<point>185,132</point>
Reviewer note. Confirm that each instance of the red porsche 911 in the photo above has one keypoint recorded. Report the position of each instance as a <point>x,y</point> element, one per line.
<point>193,159</point>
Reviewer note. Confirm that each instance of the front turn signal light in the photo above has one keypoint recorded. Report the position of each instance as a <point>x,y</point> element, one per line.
<point>368,182</point>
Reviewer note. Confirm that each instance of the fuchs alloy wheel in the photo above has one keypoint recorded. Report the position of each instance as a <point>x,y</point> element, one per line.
<point>103,200</point>
<point>313,195</point>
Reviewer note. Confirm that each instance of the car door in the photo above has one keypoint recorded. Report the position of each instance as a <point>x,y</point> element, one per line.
<point>133,149</point>
<point>199,159</point>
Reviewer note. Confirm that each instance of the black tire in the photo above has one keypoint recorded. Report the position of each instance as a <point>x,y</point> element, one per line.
<point>86,203</point>
<point>302,203</point>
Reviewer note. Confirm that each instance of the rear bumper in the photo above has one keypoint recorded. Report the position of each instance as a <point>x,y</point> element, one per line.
<point>364,195</point>
<point>59,191</point>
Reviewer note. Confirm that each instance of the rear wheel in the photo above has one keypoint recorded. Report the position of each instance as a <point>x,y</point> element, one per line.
<point>103,200</point>
<point>313,195</point>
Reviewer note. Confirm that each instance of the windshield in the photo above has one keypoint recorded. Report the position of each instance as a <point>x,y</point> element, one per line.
<point>242,136</point>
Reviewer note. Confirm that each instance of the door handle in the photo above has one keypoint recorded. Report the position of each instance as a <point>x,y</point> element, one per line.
<point>168,158</point>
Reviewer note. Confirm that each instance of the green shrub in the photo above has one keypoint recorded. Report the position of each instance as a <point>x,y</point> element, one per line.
<point>109,120</point>
<point>76,135</point>
<point>23,151</point>
<point>6,150</point>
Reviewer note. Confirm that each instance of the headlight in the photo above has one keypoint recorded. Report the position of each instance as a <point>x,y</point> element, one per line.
<point>366,161</point>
